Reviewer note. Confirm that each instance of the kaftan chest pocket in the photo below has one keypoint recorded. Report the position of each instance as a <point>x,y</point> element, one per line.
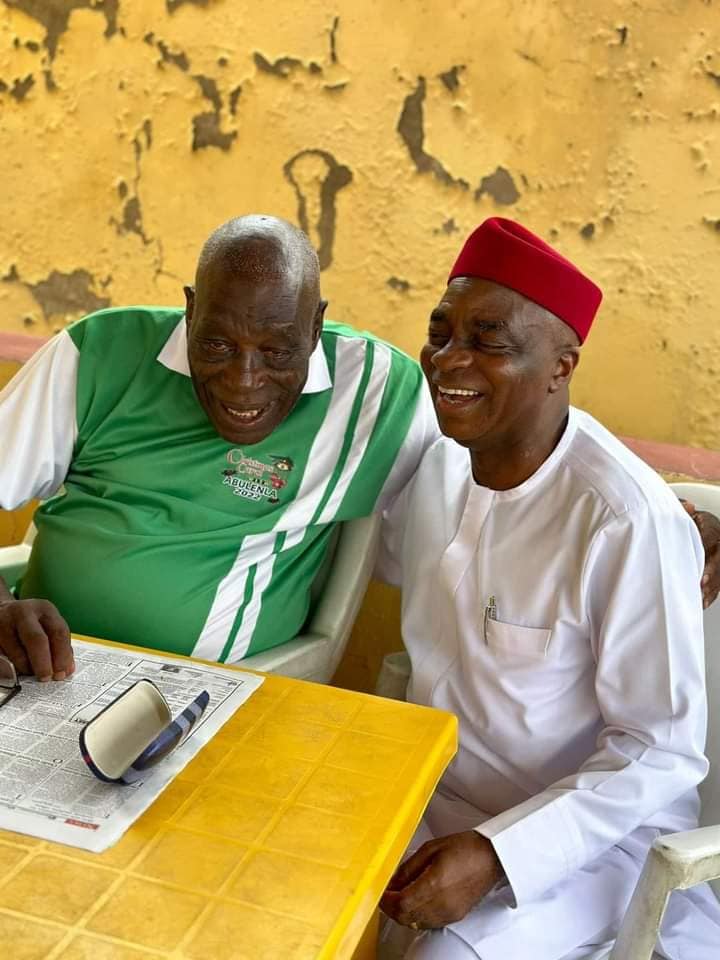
<point>509,640</point>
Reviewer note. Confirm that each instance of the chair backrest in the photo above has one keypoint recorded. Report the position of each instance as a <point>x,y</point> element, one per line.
<point>343,590</point>
<point>705,496</point>
<point>336,598</point>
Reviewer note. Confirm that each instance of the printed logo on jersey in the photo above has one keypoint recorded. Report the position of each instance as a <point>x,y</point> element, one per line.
<point>254,479</point>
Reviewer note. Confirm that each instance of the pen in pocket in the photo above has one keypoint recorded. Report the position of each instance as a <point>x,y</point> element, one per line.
<point>490,614</point>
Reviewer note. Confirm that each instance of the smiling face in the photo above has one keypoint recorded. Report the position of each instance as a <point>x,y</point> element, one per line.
<point>250,338</point>
<point>494,365</point>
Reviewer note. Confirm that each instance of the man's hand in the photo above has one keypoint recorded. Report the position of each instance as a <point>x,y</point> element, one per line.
<point>36,638</point>
<point>440,883</point>
<point>709,528</point>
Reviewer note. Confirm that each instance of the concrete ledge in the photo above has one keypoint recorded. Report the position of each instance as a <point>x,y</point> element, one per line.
<point>19,347</point>
<point>693,462</point>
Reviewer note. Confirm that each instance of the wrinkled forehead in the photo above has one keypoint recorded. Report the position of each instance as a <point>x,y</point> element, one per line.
<point>222,289</point>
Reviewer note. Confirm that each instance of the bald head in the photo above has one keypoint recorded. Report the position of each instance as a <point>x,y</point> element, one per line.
<point>254,319</point>
<point>262,249</point>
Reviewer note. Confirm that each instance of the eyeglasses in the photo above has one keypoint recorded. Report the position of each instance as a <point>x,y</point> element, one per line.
<point>9,685</point>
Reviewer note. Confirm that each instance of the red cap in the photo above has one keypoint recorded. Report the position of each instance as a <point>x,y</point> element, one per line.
<point>503,251</point>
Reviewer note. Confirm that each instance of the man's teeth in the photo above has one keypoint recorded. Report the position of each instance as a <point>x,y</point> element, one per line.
<point>244,414</point>
<point>459,393</point>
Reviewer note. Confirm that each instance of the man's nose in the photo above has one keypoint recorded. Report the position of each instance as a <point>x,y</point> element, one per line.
<point>453,356</point>
<point>246,370</point>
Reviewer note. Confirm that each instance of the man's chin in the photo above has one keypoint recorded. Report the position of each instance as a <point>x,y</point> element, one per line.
<point>463,433</point>
<point>243,431</point>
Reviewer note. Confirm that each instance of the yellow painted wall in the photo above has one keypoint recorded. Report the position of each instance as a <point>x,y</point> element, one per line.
<point>129,129</point>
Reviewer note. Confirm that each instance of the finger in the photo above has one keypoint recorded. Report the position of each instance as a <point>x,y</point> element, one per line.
<point>11,647</point>
<point>413,866</point>
<point>390,904</point>
<point>58,634</point>
<point>419,902</point>
<point>690,507</point>
<point>393,905</point>
<point>37,646</point>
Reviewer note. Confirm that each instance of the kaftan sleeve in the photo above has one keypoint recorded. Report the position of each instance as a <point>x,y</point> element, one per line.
<point>38,424</point>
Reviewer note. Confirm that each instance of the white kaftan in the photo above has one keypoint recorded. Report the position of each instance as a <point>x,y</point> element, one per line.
<point>561,621</point>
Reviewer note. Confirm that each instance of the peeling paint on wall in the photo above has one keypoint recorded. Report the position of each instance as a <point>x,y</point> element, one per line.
<point>63,296</point>
<point>411,127</point>
<point>317,177</point>
<point>207,131</point>
<point>131,129</point>
<point>177,59</point>
<point>173,5</point>
<point>132,219</point>
<point>283,66</point>
<point>21,88</point>
<point>451,77</point>
<point>54,16</point>
<point>500,186</point>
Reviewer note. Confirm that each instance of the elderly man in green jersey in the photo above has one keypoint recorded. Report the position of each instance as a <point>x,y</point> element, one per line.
<point>193,463</point>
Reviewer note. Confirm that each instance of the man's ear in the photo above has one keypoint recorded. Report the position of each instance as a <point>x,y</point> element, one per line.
<point>189,303</point>
<point>565,367</point>
<point>318,321</point>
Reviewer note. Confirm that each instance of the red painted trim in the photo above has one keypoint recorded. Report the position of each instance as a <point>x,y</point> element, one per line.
<point>670,458</point>
<point>19,347</point>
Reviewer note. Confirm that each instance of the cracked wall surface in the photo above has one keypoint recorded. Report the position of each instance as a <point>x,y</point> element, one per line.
<point>129,130</point>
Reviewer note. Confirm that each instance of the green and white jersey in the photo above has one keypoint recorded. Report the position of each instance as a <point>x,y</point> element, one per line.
<point>155,530</point>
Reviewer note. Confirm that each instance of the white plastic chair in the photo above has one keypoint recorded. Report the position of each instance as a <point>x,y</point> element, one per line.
<point>338,592</point>
<point>14,560</point>
<point>676,861</point>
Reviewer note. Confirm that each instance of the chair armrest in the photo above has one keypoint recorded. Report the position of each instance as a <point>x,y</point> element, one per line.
<point>315,654</point>
<point>304,658</point>
<point>343,594</point>
<point>13,562</point>
<point>675,861</point>
<point>394,675</point>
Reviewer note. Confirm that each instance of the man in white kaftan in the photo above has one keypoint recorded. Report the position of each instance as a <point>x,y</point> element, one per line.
<point>556,611</point>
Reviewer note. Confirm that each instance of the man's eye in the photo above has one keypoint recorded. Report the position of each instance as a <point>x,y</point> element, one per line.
<point>437,337</point>
<point>217,346</point>
<point>279,356</point>
<point>488,346</point>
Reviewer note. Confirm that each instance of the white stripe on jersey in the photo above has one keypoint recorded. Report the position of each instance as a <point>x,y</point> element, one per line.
<point>323,457</point>
<point>363,429</point>
<point>229,595</point>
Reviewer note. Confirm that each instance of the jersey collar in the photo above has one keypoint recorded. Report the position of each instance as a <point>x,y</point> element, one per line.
<point>174,356</point>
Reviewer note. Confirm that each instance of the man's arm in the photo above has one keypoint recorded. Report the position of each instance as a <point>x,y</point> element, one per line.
<point>38,429</point>
<point>709,529</point>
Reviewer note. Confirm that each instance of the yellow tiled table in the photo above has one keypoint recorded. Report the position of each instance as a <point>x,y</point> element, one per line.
<point>274,843</point>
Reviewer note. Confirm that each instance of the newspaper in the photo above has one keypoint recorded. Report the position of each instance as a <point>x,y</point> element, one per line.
<point>46,789</point>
